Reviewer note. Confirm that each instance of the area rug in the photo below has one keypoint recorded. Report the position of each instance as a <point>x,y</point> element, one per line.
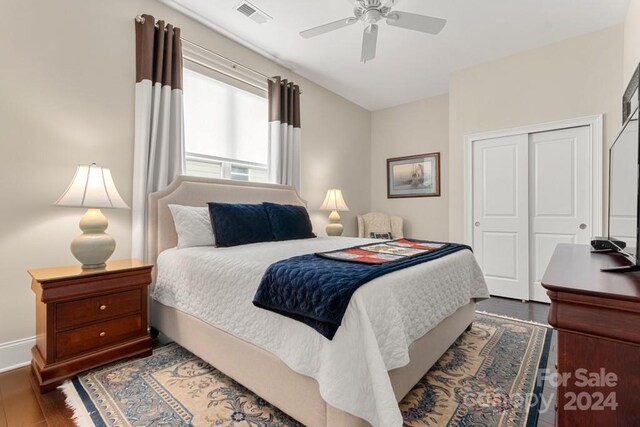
<point>489,377</point>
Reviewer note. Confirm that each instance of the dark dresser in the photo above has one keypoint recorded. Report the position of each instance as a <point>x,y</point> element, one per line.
<point>597,318</point>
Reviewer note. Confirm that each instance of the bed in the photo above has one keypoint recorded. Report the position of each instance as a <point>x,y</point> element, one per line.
<point>377,356</point>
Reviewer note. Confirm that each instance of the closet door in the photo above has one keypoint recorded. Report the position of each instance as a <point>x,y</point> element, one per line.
<point>501,214</point>
<point>560,196</point>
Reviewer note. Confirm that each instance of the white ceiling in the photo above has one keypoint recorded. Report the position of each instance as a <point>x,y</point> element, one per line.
<point>409,65</point>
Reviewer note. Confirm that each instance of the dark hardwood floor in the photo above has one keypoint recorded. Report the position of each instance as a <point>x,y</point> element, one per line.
<point>21,406</point>
<point>533,311</point>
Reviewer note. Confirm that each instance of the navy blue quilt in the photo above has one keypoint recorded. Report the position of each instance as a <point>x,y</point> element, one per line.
<point>316,290</point>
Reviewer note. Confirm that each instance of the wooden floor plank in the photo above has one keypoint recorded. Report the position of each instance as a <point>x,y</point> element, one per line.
<point>20,404</point>
<point>3,418</point>
<point>53,406</point>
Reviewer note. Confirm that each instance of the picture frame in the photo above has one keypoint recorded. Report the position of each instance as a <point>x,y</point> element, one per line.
<point>413,176</point>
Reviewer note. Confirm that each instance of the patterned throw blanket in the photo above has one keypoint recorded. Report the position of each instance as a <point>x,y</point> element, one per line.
<point>316,288</point>
<point>381,253</point>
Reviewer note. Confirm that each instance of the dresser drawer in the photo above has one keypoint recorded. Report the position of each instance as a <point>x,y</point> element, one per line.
<point>92,337</point>
<point>76,313</point>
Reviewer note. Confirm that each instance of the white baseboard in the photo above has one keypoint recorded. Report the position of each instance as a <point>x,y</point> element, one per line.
<point>16,354</point>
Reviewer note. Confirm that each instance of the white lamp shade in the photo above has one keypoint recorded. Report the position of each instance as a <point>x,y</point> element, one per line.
<point>92,187</point>
<point>334,201</point>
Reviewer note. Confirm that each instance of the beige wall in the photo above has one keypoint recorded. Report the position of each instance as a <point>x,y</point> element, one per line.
<point>415,128</point>
<point>569,79</point>
<point>67,80</point>
<point>631,40</point>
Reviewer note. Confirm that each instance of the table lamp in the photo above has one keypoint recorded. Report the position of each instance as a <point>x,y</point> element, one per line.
<point>92,187</point>
<point>334,202</point>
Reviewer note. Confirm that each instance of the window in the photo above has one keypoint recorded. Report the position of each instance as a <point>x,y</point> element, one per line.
<point>226,130</point>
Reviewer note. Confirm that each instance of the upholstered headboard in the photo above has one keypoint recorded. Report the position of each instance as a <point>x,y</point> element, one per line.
<point>194,191</point>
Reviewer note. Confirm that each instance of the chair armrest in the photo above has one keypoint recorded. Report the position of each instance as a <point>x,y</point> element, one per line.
<point>396,227</point>
<point>360,226</point>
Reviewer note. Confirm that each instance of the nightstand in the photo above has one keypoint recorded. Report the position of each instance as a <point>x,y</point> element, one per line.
<point>86,318</point>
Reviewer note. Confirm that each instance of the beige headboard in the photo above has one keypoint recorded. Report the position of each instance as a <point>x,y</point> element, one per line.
<point>194,191</point>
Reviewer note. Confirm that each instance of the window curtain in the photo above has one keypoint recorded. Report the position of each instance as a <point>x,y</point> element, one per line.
<point>284,132</point>
<point>159,123</point>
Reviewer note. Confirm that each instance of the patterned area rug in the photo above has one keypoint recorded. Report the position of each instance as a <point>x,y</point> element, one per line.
<point>487,378</point>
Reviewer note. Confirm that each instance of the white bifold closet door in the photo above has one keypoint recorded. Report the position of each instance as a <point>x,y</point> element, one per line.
<point>501,218</point>
<point>530,192</point>
<point>560,196</point>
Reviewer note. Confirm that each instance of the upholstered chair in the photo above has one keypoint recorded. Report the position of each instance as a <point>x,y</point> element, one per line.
<point>376,222</point>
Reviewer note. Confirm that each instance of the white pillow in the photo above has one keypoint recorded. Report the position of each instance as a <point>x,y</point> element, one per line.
<point>193,226</point>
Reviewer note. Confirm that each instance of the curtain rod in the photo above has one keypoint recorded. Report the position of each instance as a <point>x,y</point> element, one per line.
<point>140,19</point>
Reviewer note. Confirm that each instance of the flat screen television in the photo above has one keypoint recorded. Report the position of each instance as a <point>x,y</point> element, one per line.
<point>624,174</point>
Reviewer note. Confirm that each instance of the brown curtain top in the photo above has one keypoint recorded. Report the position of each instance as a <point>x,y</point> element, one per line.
<point>158,52</point>
<point>284,102</point>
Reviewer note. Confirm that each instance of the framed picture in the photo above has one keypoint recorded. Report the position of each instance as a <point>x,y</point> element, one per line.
<point>414,176</point>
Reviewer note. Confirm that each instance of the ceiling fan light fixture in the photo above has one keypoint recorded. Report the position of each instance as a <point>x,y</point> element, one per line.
<point>370,12</point>
<point>372,16</point>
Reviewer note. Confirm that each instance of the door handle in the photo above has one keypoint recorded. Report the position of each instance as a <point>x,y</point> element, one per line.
<point>582,226</point>
<point>477,224</point>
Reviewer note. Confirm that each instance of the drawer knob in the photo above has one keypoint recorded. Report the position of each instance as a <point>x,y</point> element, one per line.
<point>103,307</point>
<point>103,333</point>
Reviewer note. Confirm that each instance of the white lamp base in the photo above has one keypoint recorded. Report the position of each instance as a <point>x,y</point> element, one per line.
<point>334,228</point>
<point>93,247</point>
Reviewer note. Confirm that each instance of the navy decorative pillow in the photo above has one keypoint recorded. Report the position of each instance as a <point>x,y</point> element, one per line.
<point>289,222</point>
<point>239,224</point>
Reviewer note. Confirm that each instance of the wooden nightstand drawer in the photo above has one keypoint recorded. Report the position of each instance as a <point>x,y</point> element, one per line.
<point>76,313</point>
<point>92,337</point>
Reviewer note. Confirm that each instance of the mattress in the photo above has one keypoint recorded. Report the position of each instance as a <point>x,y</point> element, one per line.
<point>384,316</point>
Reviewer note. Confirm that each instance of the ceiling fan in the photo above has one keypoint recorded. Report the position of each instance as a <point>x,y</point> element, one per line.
<point>371,12</point>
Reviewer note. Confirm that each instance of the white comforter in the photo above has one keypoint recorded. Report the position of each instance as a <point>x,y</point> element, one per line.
<point>384,316</point>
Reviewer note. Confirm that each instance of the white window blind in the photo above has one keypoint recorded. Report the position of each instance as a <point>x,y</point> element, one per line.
<point>226,130</point>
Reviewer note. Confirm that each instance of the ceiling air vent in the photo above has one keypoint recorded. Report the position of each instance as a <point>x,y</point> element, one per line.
<point>251,11</point>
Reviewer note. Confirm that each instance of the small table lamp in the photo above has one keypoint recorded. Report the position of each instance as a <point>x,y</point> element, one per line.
<point>334,202</point>
<point>92,187</point>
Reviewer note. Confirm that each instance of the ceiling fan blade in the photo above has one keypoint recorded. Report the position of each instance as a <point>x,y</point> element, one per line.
<point>412,21</point>
<point>336,25</point>
<point>369,42</point>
